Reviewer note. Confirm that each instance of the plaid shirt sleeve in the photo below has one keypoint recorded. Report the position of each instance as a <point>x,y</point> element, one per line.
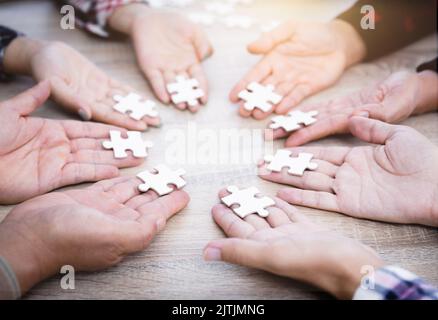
<point>394,283</point>
<point>92,15</point>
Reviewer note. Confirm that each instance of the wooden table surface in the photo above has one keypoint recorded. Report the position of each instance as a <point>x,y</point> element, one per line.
<point>172,266</point>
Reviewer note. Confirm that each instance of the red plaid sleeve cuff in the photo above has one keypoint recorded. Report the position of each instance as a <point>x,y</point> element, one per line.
<point>93,15</point>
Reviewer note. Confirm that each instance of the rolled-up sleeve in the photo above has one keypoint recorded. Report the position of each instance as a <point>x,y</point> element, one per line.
<point>92,15</point>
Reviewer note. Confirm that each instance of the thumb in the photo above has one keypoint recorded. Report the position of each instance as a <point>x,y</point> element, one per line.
<point>29,100</point>
<point>270,40</point>
<point>370,130</point>
<point>237,251</point>
<point>372,110</point>
<point>63,95</point>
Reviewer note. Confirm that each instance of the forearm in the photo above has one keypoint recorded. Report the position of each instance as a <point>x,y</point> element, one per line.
<point>427,100</point>
<point>397,24</point>
<point>18,55</point>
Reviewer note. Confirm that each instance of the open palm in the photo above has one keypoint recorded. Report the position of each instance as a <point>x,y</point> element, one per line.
<point>392,100</point>
<point>38,155</point>
<point>395,181</point>
<point>89,229</point>
<point>300,59</point>
<point>80,86</point>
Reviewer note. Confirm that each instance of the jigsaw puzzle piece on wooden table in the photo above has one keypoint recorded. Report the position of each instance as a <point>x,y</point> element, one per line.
<point>248,201</point>
<point>160,180</point>
<point>296,165</point>
<point>133,143</point>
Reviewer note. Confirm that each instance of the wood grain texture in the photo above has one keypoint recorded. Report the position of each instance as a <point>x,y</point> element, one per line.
<point>172,266</point>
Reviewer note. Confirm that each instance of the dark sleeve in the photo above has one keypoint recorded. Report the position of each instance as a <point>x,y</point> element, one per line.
<point>397,24</point>
<point>430,65</point>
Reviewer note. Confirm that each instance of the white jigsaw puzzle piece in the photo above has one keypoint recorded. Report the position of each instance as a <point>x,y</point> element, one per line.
<point>134,143</point>
<point>133,105</point>
<point>248,201</point>
<point>185,90</point>
<point>296,165</point>
<point>259,96</point>
<point>159,181</point>
<point>293,120</point>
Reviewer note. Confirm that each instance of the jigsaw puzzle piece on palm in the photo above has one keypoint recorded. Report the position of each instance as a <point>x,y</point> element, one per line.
<point>296,165</point>
<point>185,90</point>
<point>133,143</point>
<point>135,106</point>
<point>248,201</point>
<point>160,180</point>
<point>293,120</point>
<point>259,96</point>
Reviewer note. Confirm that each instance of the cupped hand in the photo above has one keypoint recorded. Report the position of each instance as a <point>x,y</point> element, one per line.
<point>166,45</point>
<point>89,229</point>
<point>300,59</point>
<point>80,86</point>
<point>38,155</point>
<point>395,181</point>
<point>286,243</point>
<point>392,100</point>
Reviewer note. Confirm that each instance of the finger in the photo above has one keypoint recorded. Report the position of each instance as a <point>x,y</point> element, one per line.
<point>86,144</point>
<point>243,112</point>
<point>142,199</point>
<point>196,72</point>
<point>313,199</point>
<point>104,157</point>
<point>277,217</point>
<point>74,173</point>
<point>29,100</point>
<point>257,74</point>
<point>370,130</point>
<point>79,129</point>
<point>105,185</point>
<point>230,223</point>
<point>324,167</point>
<point>243,252</point>
<point>324,127</point>
<point>165,207</point>
<point>308,181</point>
<point>292,213</point>
<point>334,155</point>
<point>295,97</point>
<point>124,190</point>
<point>158,84</point>
<point>104,112</point>
<point>270,40</point>
<point>71,101</point>
<point>253,219</point>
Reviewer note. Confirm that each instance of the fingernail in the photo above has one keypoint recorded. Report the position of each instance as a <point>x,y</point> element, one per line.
<point>212,254</point>
<point>364,114</point>
<point>160,224</point>
<point>84,115</point>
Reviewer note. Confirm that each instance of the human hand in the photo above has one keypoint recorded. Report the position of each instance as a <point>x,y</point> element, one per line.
<point>396,181</point>
<point>38,155</point>
<point>300,59</point>
<point>288,244</point>
<point>89,229</point>
<point>76,83</point>
<point>392,100</point>
<point>166,45</point>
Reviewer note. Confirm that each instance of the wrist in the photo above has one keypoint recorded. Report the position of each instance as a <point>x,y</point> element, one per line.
<point>349,41</point>
<point>344,275</point>
<point>427,96</point>
<point>24,256</point>
<point>124,17</point>
<point>18,55</point>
